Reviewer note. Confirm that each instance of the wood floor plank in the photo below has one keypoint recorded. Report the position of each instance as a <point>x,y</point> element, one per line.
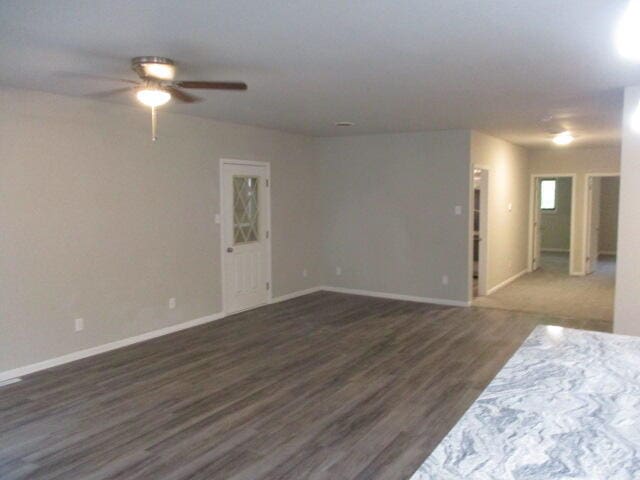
<point>323,386</point>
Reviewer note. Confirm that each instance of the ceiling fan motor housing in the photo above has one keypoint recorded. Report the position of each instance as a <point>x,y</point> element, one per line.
<point>149,67</point>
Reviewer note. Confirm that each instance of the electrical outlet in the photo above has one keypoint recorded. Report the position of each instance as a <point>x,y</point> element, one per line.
<point>172,303</point>
<point>305,274</point>
<point>458,210</point>
<point>338,271</point>
<point>445,279</point>
<point>79,324</point>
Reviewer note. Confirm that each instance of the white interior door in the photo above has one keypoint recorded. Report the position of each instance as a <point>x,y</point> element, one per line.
<point>537,227</point>
<point>593,226</point>
<point>245,235</point>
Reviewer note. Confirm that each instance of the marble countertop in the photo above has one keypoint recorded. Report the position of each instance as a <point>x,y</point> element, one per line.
<point>565,406</point>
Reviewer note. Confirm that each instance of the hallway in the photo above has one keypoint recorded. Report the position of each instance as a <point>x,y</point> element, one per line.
<point>551,290</point>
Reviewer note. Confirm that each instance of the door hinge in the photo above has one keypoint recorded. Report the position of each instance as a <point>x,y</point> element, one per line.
<point>268,285</point>
<point>267,234</point>
<point>267,182</point>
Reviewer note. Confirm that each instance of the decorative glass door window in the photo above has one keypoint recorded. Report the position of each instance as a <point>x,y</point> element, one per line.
<point>245,210</point>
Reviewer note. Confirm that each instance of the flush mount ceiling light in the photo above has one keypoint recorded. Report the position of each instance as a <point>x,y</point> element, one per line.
<point>344,124</point>
<point>153,97</point>
<point>563,139</point>
<point>628,32</point>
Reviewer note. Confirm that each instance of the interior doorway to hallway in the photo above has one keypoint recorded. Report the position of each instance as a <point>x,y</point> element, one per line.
<point>552,223</point>
<point>480,197</point>
<point>601,222</point>
<point>558,282</point>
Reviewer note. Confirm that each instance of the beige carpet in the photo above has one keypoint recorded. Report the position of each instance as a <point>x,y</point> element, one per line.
<point>551,290</point>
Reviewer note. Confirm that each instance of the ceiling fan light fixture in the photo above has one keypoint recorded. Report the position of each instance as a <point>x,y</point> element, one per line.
<point>161,71</point>
<point>160,68</point>
<point>153,97</point>
<point>563,139</point>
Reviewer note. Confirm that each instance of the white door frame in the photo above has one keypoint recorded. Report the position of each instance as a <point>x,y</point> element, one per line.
<point>535,177</point>
<point>254,163</point>
<point>587,212</point>
<point>483,245</point>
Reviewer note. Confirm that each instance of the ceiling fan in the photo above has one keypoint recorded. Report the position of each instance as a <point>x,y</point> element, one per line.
<point>157,85</point>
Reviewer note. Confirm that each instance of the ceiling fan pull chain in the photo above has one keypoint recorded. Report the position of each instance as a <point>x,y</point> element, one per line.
<point>154,124</point>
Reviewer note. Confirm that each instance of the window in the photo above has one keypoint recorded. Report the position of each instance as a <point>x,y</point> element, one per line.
<point>245,209</point>
<point>548,194</point>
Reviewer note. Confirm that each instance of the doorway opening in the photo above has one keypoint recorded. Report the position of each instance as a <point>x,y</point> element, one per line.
<point>572,250</point>
<point>552,226</point>
<point>601,223</point>
<point>479,231</point>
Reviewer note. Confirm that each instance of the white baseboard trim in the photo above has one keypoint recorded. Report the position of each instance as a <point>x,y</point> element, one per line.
<point>608,252</point>
<point>291,295</point>
<point>507,281</point>
<point>107,347</point>
<point>398,296</point>
<point>556,250</point>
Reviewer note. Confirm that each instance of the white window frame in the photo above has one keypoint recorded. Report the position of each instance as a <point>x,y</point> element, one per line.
<point>555,196</point>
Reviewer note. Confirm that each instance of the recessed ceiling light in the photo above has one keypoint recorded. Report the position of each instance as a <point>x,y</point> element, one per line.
<point>564,138</point>
<point>344,124</point>
<point>628,33</point>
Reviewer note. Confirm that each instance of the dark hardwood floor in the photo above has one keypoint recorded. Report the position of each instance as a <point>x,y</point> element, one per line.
<point>326,386</point>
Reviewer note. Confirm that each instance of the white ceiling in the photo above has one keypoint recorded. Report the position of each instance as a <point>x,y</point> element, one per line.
<point>512,68</point>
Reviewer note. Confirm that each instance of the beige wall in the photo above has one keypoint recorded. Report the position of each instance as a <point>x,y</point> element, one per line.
<point>508,187</point>
<point>627,303</point>
<point>388,218</point>
<point>579,161</point>
<point>98,222</point>
<point>609,201</point>
<point>556,226</point>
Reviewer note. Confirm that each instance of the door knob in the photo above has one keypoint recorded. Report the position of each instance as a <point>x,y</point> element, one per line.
<point>230,249</point>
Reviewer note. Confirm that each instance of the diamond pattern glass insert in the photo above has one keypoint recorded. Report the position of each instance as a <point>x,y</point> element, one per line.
<point>245,210</point>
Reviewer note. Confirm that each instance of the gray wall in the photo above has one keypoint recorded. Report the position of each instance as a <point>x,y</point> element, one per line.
<point>99,223</point>
<point>609,200</point>
<point>508,187</point>
<point>388,212</point>
<point>627,304</point>
<point>556,226</point>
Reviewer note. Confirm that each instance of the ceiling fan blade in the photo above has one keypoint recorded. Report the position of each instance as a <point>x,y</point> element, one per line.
<point>212,85</point>
<point>109,93</point>
<point>99,77</point>
<point>182,96</point>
